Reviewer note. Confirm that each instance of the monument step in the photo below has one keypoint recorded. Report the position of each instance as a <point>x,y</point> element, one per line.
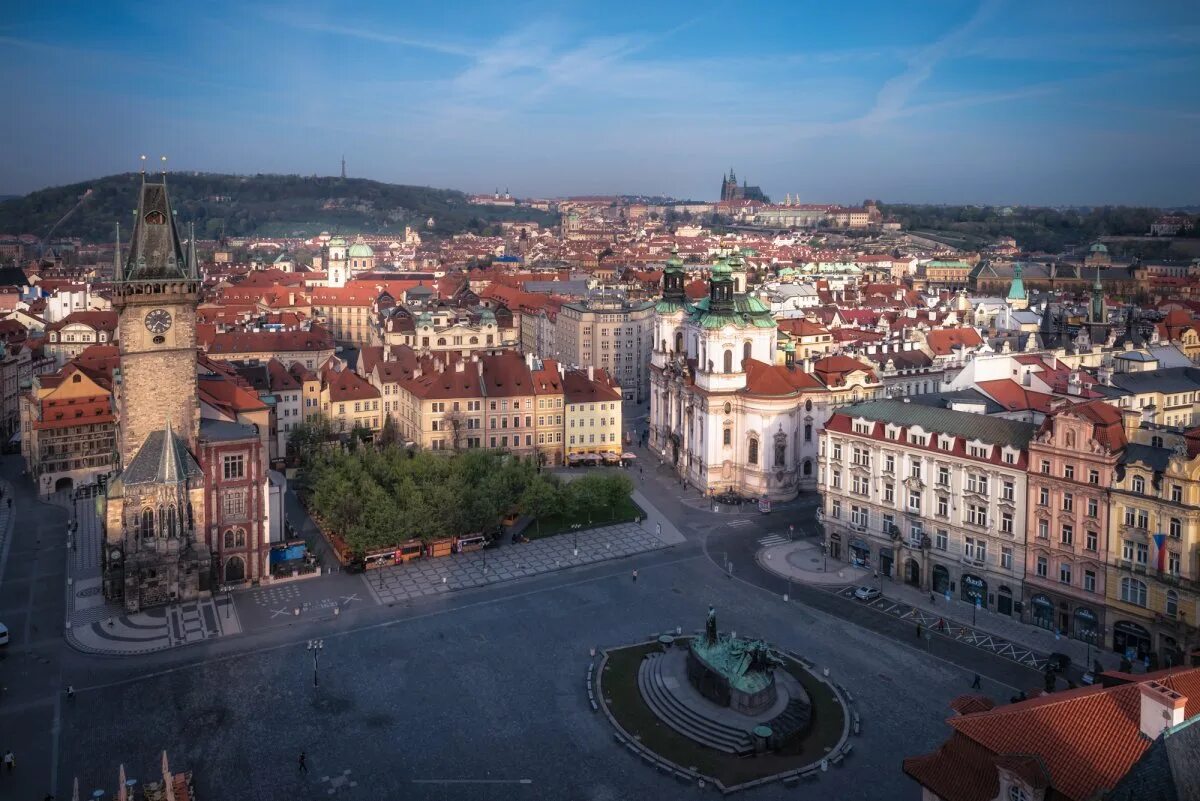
<point>686,721</point>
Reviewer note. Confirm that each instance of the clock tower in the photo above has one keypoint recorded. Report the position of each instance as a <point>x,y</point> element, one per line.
<point>154,508</point>
<point>157,290</point>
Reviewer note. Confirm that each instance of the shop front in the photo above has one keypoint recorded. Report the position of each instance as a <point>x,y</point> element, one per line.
<point>886,559</point>
<point>1087,625</point>
<point>941,579</point>
<point>973,589</point>
<point>1132,640</point>
<point>1041,611</point>
<point>1004,601</point>
<point>835,546</point>
<point>860,553</point>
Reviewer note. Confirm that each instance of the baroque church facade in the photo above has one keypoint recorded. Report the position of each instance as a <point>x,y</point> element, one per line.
<point>731,408</point>
<point>154,550</point>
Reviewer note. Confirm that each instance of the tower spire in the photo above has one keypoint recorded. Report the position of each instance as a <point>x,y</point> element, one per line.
<point>192,271</point>
<point>117,255</point>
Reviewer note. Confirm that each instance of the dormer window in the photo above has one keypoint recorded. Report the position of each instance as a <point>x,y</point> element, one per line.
<point>862,427</point>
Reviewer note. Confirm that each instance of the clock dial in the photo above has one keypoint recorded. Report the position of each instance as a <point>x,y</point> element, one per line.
<point>158,321</point>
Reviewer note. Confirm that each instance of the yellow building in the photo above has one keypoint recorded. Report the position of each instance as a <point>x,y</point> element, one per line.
<point>1154,539</point>
<point>349,401</point>
<point>593,412</point>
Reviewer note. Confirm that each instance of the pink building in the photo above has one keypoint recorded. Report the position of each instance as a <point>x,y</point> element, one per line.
<point>1071,464</point>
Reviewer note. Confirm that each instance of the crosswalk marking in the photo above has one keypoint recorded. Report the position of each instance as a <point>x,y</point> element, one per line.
<point>772,539</point>
<point>736,523</point>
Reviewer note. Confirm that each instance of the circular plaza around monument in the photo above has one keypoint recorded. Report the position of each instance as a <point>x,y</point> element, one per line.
<point>716,708</point>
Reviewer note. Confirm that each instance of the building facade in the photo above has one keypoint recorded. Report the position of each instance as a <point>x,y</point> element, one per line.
<point>932,497</point>
<point>613,334</point>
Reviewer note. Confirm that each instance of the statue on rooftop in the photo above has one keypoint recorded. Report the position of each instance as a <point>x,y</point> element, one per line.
<point>710,626</point>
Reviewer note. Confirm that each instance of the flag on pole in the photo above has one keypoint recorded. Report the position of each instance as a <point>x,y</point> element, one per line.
<point>1160,540</point>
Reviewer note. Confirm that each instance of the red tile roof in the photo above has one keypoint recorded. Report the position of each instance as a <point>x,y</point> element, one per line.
<point>1014,397</point>
<point>347,385</point>
<point>943,341</point>
<point>1082,741</point>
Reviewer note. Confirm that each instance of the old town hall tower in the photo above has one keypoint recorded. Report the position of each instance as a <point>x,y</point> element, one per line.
<point>151,551</point>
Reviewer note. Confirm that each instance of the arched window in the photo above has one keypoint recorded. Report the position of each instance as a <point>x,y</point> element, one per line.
<point>1139,485</point>
<point>728,360</point>
<point>752,456</point>
<point>679,341</point>
<point>727,436</point>
<point>474,340</point>
<point>780,451</point>
<point>147,522</point>
<point>746,348</point>
<point>1156,442</point>
<point>1133,591</point>
<point>228,539</point>
<point>808,432</point>
<point>808,467</point>
<point>1172,608</point>
<point>240,538</point>
<point>441,341</point>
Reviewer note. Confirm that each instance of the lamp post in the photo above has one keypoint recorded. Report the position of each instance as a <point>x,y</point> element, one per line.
<point>315,646</point>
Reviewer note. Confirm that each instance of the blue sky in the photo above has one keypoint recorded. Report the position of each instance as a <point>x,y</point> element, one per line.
<point>941,101</point>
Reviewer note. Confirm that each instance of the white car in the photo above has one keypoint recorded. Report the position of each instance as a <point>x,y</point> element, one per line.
<point>867,593</point>
<point>3,634</point>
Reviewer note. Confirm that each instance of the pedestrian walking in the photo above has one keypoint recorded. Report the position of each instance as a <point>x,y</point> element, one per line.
<point>303,763</point>
<point>941,625</point>
<point>70,692</point>
<point>658,529</point>
<point>975,685</point>
<point>932,598</point>
<point>918,631</point>
<point>635,577</point>
<point>10,761</point>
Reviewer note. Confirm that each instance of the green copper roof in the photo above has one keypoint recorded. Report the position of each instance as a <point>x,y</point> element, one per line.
<point>748,312</point>
<point>337,241</point>
<point>1098,247</point>
<point>1017,290</point>
<point>721,268</point>
<point>361,250</point>
<point>668,307</point>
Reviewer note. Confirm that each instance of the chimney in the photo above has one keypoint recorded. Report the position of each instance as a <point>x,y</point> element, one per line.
<point>291,298</point>
<point>460,366</point>
<point>1074,384</point>
<point>1162,708</point>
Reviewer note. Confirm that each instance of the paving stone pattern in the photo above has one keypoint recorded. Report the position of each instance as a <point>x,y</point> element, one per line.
<point>490,566</point>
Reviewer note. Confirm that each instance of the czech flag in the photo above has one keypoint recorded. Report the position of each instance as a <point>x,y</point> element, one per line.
<point>1160,540</point>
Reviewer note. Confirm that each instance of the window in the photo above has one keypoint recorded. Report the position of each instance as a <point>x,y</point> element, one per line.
<point>943,478</point>
<point>1094,477</point>
<point>1044,496</point>
<point>727,436</point>
<point>860,486</point>
<point>1090,540</point>
<point>1043,529</point>
<point>1064,573</point>
<point>975,549</point>
<point>1093,507</point>
<point>916,535</point>
<point>1006,557</point>
<point>943,507</point>
<point>1137,518</point>
<point>1133,591</point>
<point>1089,580</point>
<point>889,492</point>
<point>915,468</point>
<point>1068,502</point>
<point>808,432</point>
<point>889,463</point>
<point>859,516</point>
<point>1042,566</point>
<point>976,514</point>
<point>1009,492</point>
<point>1139,485</point>
<point>1067,536</point>
<point>836,479</point>
<point>1173,563</point>
<point>941,540</point>
<point>233,504</point>
<point>1006,523</point>
<point>1046,466</point>
<point>752,455</point>
<point>1172,604</point>
<point>1175,528</point>
<point>836,510</point>
<point>837,451</point>
<point>1176,493</point>
<point>234,467</point>
<point>914,500</point>
<point>977,483</point>
<point>1143,552</point>
<point>1069,472</point>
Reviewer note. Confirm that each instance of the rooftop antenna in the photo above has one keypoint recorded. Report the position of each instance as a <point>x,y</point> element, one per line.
<point>143,159</point>
<point>163,159</point>
<point>343,166</point>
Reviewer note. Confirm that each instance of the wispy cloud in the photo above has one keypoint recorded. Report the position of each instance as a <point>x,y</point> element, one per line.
<point>381,36</point>
<point>895,93</point>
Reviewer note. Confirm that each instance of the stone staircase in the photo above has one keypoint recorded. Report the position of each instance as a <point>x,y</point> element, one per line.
<point>794,719</point>
<point>687,722</point>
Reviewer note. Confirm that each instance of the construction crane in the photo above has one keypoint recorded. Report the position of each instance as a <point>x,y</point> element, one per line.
<point>45,239</point>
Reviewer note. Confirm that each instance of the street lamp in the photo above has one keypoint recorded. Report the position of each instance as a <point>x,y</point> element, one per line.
<point>315,646</point>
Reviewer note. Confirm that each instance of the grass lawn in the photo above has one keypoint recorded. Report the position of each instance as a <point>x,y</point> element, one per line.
<point>624,700</point>
<point>560,524</point>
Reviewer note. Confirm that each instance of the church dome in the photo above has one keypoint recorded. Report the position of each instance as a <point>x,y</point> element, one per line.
<point>361,250</point>
<point>337,242</point>
<point>721,268</point>
<point>1098,247</point>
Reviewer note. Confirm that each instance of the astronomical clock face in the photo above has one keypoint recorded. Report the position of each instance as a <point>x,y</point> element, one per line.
<point>158,321</point>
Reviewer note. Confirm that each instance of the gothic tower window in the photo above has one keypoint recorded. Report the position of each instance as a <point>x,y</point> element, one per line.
<point>147,523</point>
<point>228,539</point>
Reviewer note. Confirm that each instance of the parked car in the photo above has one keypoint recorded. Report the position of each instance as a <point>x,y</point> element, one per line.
<point>3,634</point>
<point>867,593</point>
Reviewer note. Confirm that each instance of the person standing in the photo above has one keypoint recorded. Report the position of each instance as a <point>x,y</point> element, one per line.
<point>635,576</point>
<point>303,763</point>
<point>10,761</point>
<point>975,685</point>
<point>918,631</point>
